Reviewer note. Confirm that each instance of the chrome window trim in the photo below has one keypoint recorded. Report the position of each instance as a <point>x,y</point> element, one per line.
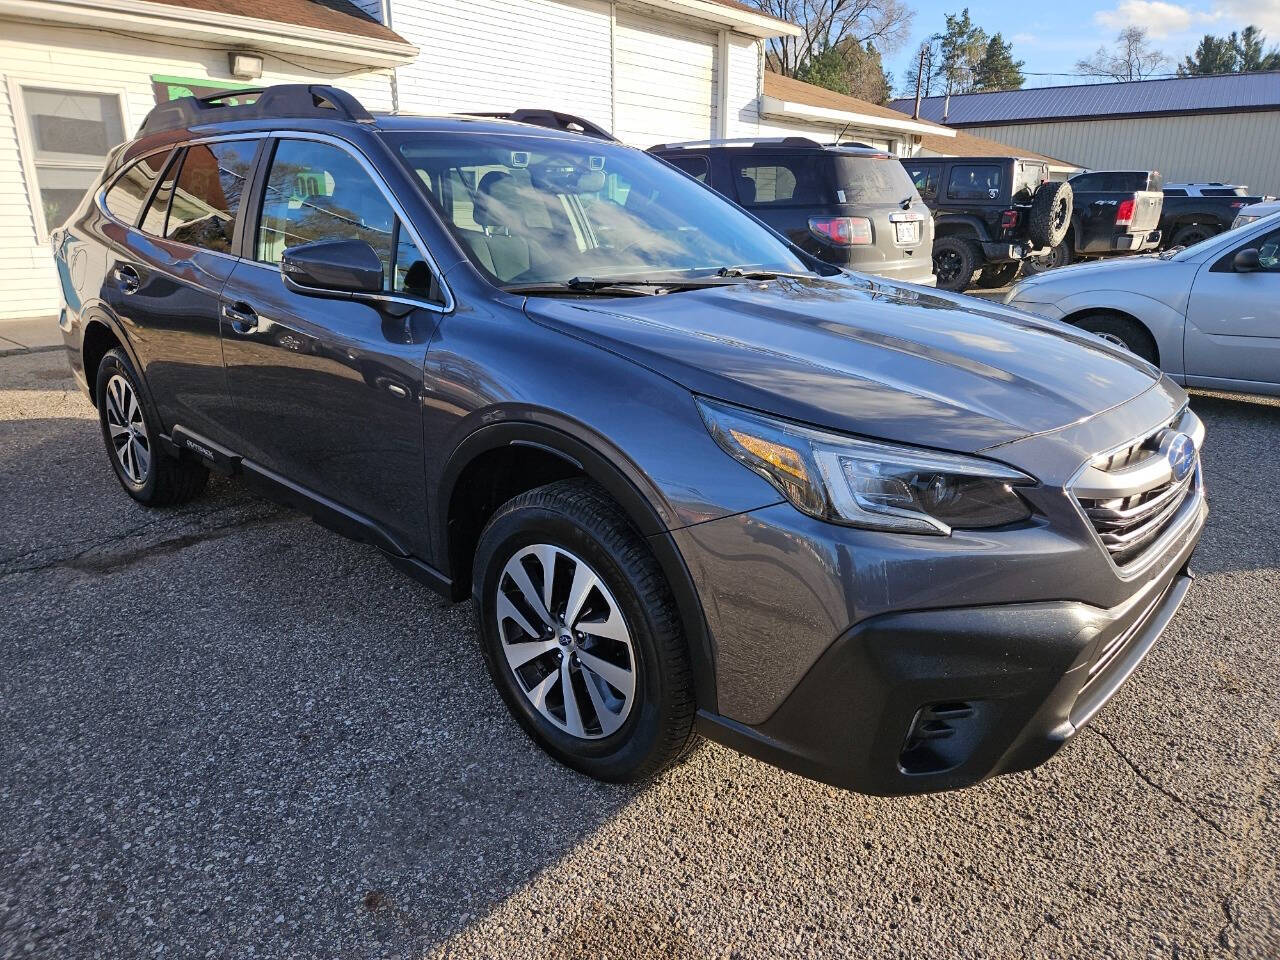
<point>100,198</point>
<point>396,207</point>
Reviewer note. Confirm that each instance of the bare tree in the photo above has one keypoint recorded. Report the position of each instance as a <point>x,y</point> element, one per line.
<point>1132,58</point>
<point>831,23</point>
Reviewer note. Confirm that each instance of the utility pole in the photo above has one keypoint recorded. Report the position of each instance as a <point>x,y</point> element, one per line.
<point>919,80</point>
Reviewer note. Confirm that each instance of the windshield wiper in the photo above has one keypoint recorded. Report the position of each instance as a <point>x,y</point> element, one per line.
<point>754,273</point>
<point>625,286</point>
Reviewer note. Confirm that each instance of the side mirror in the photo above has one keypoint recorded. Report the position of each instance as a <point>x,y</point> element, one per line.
<point>332,266</point>
<point>1246,261</point>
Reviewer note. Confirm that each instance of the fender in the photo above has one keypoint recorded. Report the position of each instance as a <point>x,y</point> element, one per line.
<point>1164,322</point>
<point>98,312</point>
<point>638,497</point>
<point>947,224</point>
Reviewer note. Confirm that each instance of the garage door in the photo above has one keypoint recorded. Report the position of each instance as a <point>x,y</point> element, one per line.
<point>665,81</point>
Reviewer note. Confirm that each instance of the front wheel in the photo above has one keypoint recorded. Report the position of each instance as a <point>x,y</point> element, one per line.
<point>581,634</point>
<point>1121,331</point>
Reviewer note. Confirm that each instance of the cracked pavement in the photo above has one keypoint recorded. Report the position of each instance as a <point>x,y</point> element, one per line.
<point>225,732</point>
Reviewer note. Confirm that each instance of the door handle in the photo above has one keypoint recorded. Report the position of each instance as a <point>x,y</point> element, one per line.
<point>242,317</point>
<point>126,278</point>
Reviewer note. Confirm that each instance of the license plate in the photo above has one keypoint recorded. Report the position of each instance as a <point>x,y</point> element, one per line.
<point>908,232</point>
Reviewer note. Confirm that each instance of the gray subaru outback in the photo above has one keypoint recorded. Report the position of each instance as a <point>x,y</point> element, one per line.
<point>694,479</point>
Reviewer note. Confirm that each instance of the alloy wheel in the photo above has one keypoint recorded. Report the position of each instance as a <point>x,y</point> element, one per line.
<point>565,641</point>
<point>946,265</point>
<point>128,430</point>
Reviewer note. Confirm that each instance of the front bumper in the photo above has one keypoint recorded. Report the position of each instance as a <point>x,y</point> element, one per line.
<point>941,699</point>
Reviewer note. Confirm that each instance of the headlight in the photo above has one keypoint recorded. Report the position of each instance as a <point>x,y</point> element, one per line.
<point>1242,219</point>
<point>861,483</point>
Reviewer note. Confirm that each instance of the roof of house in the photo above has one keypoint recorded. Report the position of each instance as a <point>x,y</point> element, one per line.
<point>789,88</point>
<point>339,16</point>
<point>1213,94</point>
<point>967,145</point>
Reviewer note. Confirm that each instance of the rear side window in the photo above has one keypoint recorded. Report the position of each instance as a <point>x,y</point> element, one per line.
<point>925,178</point>
<point>207,195</point>
<point>127,195</point>
<point>1116,181</point>
<point>788,180</point>
<point>974,182</point>
<point>1175,193</point>
<point>695,166</point>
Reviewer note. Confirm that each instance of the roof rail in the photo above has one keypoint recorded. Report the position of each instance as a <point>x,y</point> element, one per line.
<point>287,100</point>
<point>552,119</point>
<point>804,142</point>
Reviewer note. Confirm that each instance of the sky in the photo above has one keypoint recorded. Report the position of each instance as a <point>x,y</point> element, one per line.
<point>1051,36</point>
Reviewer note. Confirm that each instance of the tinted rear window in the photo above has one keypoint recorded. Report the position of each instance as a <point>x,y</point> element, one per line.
<point>973,181</point>
<point>207,196</point>
<point>872,180</point>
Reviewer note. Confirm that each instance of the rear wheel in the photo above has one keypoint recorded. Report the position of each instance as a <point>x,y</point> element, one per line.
<point>131,430</point>
<point>955,261</point>
<point>1059,256</point>
<point>997,275</point>
<point>1121,331</point>
<point>581,634</point>
<point>1191,234</point>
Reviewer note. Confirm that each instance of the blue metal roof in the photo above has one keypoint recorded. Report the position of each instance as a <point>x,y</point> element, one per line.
<point>1248,91</point>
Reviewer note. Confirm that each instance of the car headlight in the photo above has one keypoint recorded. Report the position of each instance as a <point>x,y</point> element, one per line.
<point>1242,219</point>
<point>864,483</point>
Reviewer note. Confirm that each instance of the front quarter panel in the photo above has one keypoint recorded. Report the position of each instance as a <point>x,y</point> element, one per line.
<point>490,364</point>
<point>1164,320</point>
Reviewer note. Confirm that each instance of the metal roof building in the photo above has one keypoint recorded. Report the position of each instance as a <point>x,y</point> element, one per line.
<point>1189,128</point>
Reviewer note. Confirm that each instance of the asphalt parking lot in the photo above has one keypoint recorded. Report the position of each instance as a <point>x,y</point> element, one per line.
<point>225,732</point>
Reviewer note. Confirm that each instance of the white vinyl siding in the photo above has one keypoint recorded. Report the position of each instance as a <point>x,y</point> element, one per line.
<point>667,84</point>
<point>487,56</point>
<point>64,58</point>
<point>1231,147</point>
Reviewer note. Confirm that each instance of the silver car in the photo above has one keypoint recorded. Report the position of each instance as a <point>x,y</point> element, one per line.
<point>1209,314</point>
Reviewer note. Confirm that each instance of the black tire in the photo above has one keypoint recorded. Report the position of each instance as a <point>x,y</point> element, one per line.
<point>1192,233</point>
<point>997,274</point>
<point>1059,256</point>
<point>1123,332</point>
<point>1050,216</point>
<point>955,261</point>
<point>167,480</point>
<point>578,518</point>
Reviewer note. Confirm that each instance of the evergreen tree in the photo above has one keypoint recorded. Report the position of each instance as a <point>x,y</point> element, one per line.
<point>997,70</point>
<point>1236,53</point>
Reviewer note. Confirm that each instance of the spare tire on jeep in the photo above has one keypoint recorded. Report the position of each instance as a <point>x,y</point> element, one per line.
<point>1050,214</point>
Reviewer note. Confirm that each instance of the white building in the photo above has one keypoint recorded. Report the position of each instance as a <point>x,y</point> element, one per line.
<point>78,76</point>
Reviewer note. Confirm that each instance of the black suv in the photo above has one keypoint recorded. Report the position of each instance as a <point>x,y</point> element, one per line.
<point>850,205</point>
<point>692,476</point>
<point>991,214</point>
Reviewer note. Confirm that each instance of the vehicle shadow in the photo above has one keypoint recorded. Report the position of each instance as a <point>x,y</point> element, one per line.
<point>239,729</point>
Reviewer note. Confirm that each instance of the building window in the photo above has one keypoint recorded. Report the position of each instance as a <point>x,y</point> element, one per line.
<point>66,136</point>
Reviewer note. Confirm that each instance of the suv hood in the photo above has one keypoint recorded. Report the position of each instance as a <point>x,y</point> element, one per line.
<point>892,362</point>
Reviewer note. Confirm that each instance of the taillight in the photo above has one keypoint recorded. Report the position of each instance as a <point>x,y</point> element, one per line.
<point>1238,205</point>
<point>1009,219</point>
<point>842,231</point>
<point>1124,211</point>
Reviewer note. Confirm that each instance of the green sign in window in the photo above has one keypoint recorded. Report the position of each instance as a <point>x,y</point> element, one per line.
<point>174,88</point>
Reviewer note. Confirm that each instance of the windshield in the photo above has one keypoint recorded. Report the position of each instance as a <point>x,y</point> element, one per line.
<point>531,209</point>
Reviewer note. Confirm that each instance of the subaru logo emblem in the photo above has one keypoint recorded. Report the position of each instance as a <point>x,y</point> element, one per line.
<point>1181,453</point>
